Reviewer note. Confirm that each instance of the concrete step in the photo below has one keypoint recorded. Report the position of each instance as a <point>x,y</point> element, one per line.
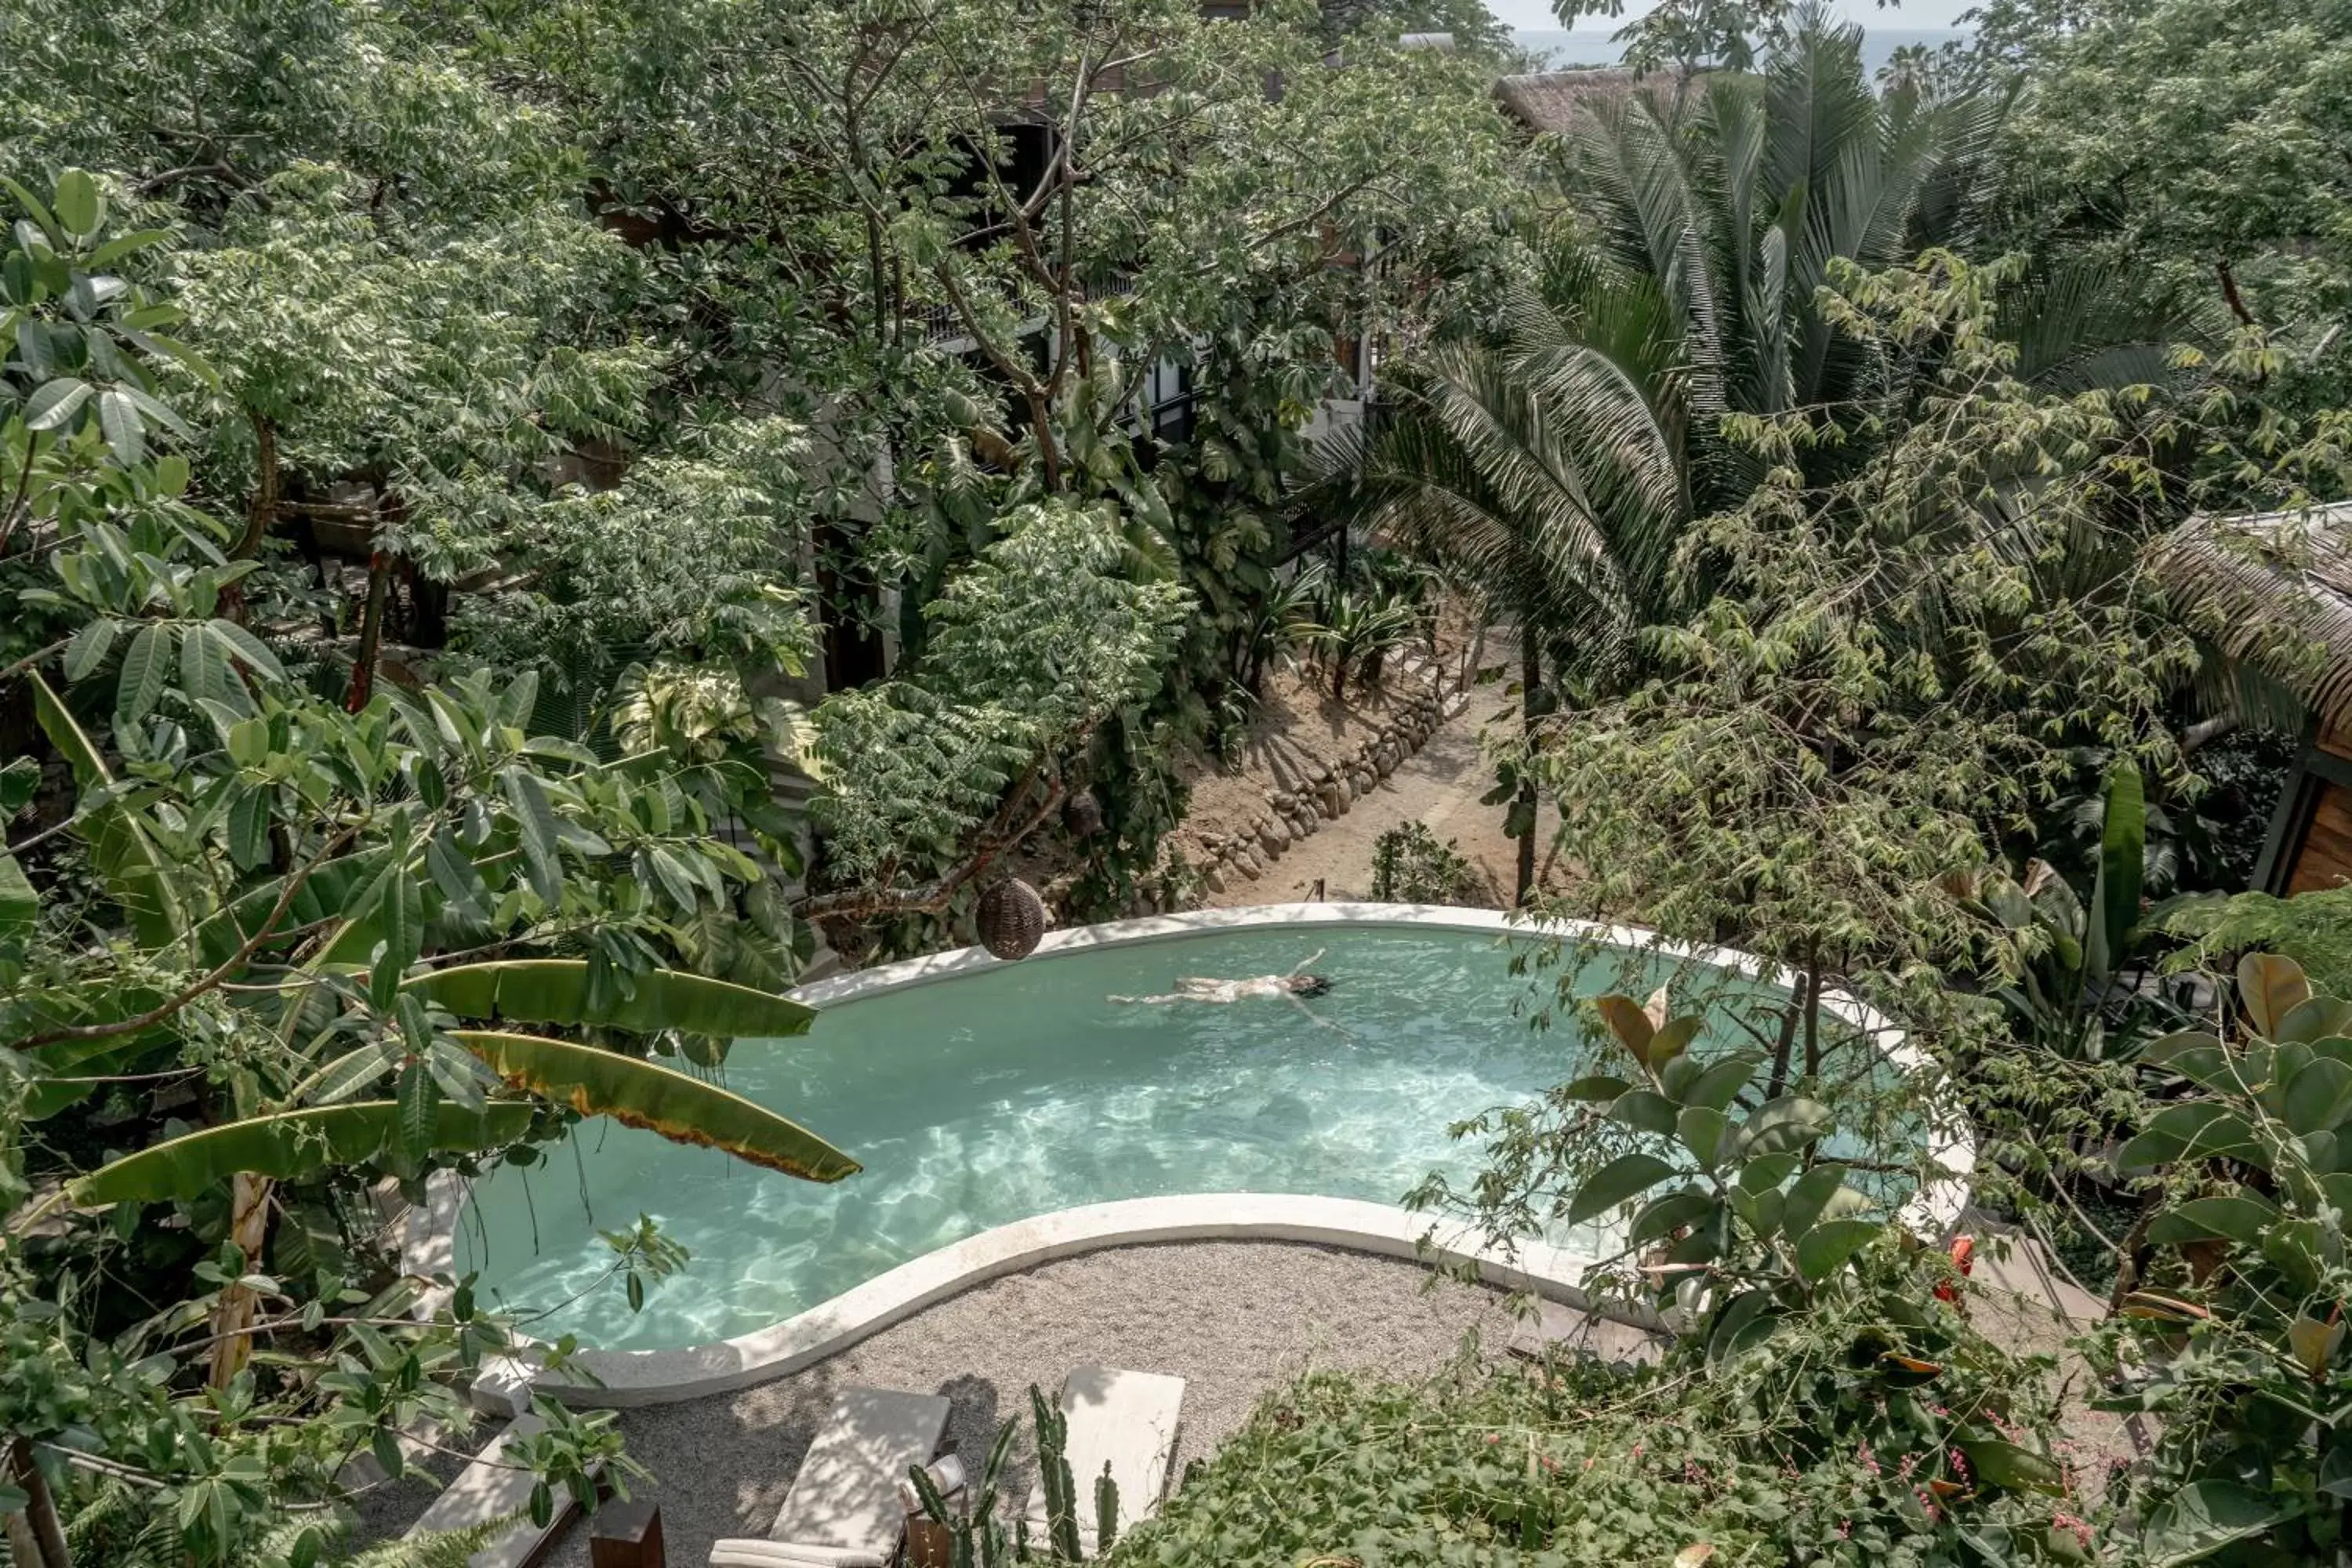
<point>490,1489</point>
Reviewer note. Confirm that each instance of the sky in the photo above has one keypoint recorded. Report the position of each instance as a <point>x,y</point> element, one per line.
<point>1537,14</point>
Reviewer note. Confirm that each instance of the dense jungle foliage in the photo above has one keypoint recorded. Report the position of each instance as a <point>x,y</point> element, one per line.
<point>523,523</point>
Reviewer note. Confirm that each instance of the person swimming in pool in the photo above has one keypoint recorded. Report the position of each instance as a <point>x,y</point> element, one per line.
<point>1290,988</point>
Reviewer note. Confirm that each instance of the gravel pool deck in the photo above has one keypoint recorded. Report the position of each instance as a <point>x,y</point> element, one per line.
<point>1233,1319</point>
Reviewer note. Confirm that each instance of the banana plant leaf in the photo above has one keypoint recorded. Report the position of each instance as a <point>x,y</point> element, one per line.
<point>288,1146</point>
<point>681,1109</point>
<point>137,877</point>
<point>20,906</point>
<point>555,991</point>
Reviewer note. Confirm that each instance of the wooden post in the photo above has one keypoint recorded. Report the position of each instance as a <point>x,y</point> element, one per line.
<point>628,1535</point>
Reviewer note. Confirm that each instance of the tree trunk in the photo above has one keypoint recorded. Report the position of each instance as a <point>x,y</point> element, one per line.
<point>370,633</point>
<point>24,1552</point>
<point>1530,682</point>
<point>249,1229</point>
<point>260,515</point>
<point>42,1527</point>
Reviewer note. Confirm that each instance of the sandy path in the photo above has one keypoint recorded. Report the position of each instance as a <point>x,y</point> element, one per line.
<point>1439,785</point>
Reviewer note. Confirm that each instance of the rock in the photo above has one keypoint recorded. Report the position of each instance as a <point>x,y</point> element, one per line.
<point>1213,879</point>
<point>1274,838</point>
<point>1249,864</point>
<point>1331,799</point>
<point>1304,823</point>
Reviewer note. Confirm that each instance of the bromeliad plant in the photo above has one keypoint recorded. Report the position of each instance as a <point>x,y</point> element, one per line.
<point>2064,958</point>
<point>2232,1326</point>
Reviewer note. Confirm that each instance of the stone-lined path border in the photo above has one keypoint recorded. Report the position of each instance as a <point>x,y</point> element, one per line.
<point>1235,856</point>
<point>622,1378</point>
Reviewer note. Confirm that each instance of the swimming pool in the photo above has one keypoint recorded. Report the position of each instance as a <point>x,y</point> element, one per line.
<point>1005,1092</point>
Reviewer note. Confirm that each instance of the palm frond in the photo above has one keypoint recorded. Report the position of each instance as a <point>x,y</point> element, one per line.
<point>2271,592</point>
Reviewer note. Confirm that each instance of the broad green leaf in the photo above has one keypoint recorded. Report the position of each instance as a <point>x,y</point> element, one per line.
<point>2202,1519</point>
<point>1627,1176</point>
<point>249,829</point>
<point>1745,1322</point>
<point>20,906</point>
<point>1822,1250</point>
<point>2238,1219</point>
<point>288,1146</point>
<point>1702,1131</point>
<point>535,822</point>
<point>323,896</point>
<point>1644,1110</point>
<point>1720,1084</point>
<point>419,1099</point>
<point>247,648</point>
<point>2270,987</point>
<point>1664,1216</point>
<point>2018,1469</point>
<point>675,879</point>
<point>137,877</point>
<point>53,407</point>
<point>346,1075</point>
<point>2316,1018</point>
<point>90,648</point>
<point>555,991</point>
<point>2315,1342</point>
<point>2319,1095</point>
<point>2114,898</point>
<point>1784,1126</point>
<point>123,245</point>
<point>204,665</point>
<point>80,205</point>
<point>1595,1087</point>
<point>641,1094</point>
<point>454,875</point>
<point>1673,1038</point>
<point>1810,1199</point>
<point>2199,1127</point>
<point>144,672</point>
<point>33,204</point>
<point>2160,1051</point>
<point>123,425</point>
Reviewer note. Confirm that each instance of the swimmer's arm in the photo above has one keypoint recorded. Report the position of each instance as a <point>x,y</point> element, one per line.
<point>1154,1001</point>
<point>1300,967</point>
<point>1314,1018</point>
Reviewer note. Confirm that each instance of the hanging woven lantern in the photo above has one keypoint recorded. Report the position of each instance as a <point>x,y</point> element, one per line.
<point>1082,813</point>
<point>1012,919</point>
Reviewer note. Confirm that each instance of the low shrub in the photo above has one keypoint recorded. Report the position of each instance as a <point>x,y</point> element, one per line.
<point>1577,1463</point>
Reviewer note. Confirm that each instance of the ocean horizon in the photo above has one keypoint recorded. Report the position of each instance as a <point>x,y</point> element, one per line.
<point>1563,50</point>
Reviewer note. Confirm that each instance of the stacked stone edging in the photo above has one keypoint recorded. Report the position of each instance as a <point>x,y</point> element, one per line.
<point>1245,853</point>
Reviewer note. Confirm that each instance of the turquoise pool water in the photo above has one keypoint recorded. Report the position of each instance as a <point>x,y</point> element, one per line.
<point>1019,1089</point>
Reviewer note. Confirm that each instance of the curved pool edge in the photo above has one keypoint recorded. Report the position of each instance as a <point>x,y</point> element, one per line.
<point>627,1379</point>
<point>630,1379</point>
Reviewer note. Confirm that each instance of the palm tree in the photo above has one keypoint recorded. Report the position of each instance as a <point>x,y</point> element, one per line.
<point>1545,471</point>
<point>1557,466</point>
<point>1736,208</point>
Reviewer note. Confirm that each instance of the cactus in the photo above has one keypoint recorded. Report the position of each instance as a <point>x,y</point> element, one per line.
<point>1106,1510</point>
<point>975,1538</point>
<point>1061,1488</point>
<point>978,1541</point>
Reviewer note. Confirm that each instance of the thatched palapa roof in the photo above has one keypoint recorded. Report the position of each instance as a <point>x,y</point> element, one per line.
<point>1548,100</point>
<point>2274,590</point>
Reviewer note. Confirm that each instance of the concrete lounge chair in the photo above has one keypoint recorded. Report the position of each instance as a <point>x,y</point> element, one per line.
<point>843,1510</point>
<point>1124,1419</point>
